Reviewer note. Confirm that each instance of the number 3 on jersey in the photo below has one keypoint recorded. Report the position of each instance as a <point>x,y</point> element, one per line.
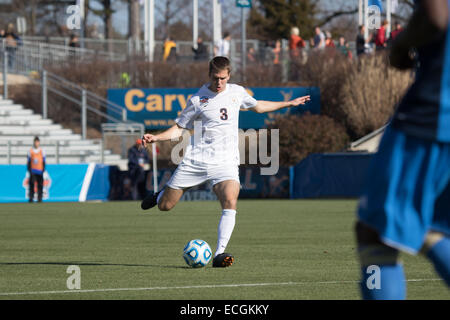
<point>223,114</point>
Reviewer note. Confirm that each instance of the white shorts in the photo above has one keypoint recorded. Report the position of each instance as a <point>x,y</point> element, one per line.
<point>186,176</point>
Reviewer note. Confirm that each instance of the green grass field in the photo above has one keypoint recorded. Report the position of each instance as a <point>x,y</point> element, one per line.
<point>284,250</point>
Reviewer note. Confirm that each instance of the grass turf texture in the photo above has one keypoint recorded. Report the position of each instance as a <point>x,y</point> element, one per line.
<point>301,249</point>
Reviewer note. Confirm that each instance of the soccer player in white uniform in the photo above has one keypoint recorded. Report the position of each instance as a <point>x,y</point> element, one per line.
<point>213,154</point>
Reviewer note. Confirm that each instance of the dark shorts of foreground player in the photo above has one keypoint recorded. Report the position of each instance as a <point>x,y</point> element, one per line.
<point>408,190</point>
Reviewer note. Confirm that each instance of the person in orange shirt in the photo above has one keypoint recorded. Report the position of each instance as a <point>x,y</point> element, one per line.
<point>36,168</point>
<point>170,47</point>
<point>296,43</point>
<point>276,52</point>
<point>329,43</point>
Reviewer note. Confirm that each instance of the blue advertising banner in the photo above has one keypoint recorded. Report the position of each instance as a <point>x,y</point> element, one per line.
<point>62,182</point>
<point>333,175</point>
<point>158,108</point>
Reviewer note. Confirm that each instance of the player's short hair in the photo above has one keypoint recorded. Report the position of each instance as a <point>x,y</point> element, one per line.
<point>218,64</point>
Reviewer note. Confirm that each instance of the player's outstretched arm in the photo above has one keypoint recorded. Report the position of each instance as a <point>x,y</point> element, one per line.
<point>269,106</point>
<point>173,132</point>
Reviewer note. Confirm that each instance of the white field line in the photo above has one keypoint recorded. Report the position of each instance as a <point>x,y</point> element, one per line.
<point>86,182</point>
<point>212,286</point>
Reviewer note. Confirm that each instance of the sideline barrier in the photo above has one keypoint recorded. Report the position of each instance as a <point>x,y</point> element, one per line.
<point>254,185</point>
<point>62,182</point>
<point>339,175</point>
<point>335,175</point>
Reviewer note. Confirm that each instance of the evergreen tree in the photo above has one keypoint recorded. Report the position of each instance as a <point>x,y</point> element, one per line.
<point>273,19</point>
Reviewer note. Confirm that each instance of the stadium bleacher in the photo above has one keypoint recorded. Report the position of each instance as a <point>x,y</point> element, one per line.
<point>19,126</point>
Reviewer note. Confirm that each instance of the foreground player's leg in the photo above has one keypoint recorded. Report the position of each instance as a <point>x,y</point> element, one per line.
<point>382,274</point>
<point>227,192</point>
<point>151,200</point>
<point>225,229</point>
<point>436,246</point>
<point>437,250</point>
<point>166,199</point>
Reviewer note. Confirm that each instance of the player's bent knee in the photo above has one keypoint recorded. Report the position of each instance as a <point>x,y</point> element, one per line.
<point>165,206</point>
<point>229,204</point>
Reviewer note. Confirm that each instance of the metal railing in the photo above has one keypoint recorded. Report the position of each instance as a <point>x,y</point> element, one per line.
<point>41,53</point>
<point>131,47</point>
<point>86,100</point>
<point>23,62</point>
<point>123,46</point>
<point>54,149</point>
<point>136,47</point>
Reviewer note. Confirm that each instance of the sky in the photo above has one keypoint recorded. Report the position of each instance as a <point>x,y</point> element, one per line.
<point>120,17</point>
<point>229,9</point>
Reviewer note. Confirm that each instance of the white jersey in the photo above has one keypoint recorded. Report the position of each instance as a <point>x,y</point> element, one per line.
<point>215,120</point>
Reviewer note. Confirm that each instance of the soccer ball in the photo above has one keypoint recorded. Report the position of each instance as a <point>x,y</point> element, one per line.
<point>197,253</point>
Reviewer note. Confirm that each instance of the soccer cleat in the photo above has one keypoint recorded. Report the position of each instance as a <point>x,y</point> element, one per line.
<point>223,260</point>
<point>150,201</point>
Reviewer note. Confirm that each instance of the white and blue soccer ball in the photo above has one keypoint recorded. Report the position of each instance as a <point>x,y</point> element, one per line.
<point>197,253</point>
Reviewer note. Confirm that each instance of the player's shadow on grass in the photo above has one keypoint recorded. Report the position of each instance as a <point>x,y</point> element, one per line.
<point>78,263</point>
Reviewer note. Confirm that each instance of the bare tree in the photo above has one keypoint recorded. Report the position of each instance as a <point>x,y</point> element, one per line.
<point>41,15</point>
<point>331,10</point>
<point>171,9</point>
<point>105,13</point>
<point>134,19</point>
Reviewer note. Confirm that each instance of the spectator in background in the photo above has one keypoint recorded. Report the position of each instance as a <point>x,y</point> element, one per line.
<point>36,168</point>
<point>201,52</point>
<point>125,80</point>
<point>2,33</point>
<point>329,43</point>
<point>276,52</point>
<point>319,39</point>
<point>74,41</point>
<point>137,158</point>
<point>343,48</point>
<point>296,43</point>
<point>251,55</point>
<point>360,41</point>
<point>169,50</point>
<point>381,39</point>
<point>396,31</point>
<point>222,48</point>
<point>12,41</point>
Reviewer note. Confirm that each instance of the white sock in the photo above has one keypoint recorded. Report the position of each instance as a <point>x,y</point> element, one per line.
<point>225,229</point>
<point>159,196</point>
